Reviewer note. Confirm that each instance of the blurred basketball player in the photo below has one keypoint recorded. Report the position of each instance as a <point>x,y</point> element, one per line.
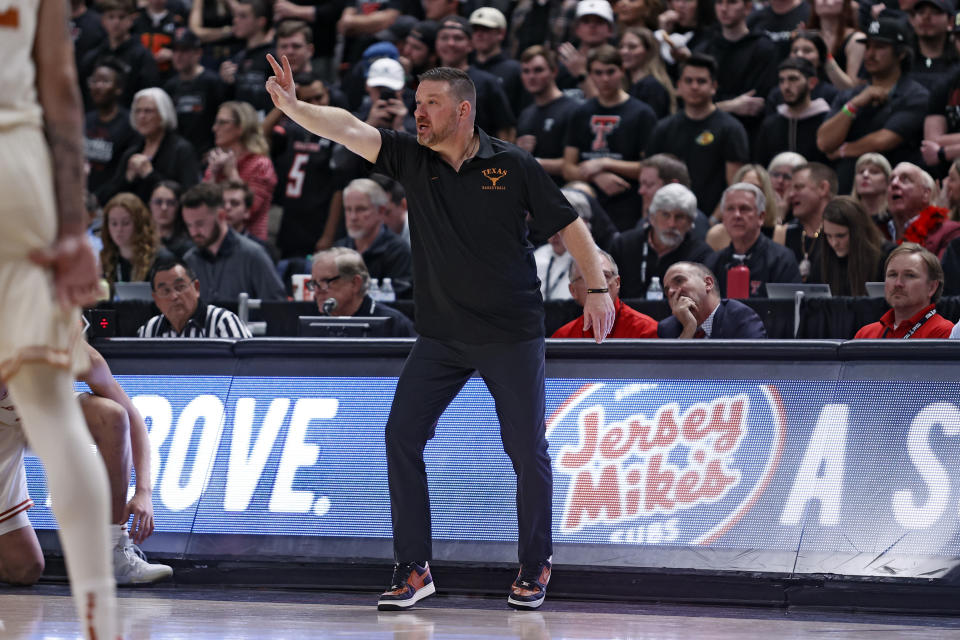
<point>47,268</point>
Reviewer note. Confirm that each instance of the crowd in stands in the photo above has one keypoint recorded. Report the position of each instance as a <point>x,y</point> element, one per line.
<point>712,146</point>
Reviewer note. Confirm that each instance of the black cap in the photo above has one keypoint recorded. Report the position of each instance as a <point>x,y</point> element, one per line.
<point>802,65</point>
<point>943,5</point>
<point>887,30</point>
<point>456,22</point>
<point>426,32</point>
<point>186,39</point>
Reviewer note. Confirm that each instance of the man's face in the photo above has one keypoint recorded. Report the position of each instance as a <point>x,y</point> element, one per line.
<point>794,86</point>
<point>203,224</point>
<point>236,208</point>
<point>185,60</point>
<point>362,219</point>
<point>175,294</point>
<point>670,227</point>
<point>683,280</point>
<point>416,52</point>
<point>578,286</point>
<point>328,283</point>
<point>437,113</point>
<point>741,218</point>
<point>907,195</point>
<point>731,12</point>
<point>907,283</point>
<point>629,11</point>
<point>686,11</point>
<point>879,58</point>
<point>593,31</point>
<point>104,90</point>
<point>928,21</point>
<point>536,75</point>
<point>453,47</point>
<point>394,214</point>
<point>806,196</point>
<point>650,182</point>
<point>244,22</point>
<point>486,40</point>
<point>297,50</point>
<point>117,24</point>
<point>838,237</point>
<point>696,87</point>
<point>607,78</point>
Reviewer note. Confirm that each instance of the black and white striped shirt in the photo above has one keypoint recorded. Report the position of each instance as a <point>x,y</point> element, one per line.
<point>208,321</point>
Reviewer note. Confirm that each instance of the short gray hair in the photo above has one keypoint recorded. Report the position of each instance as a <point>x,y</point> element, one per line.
<point>378,197</point>
<point>759,198</point>
<point>168,114</point>
<point>790,158</point>
<point>349,263</point>
<point>573,270</point>
<point>673,197</point>
<point>925,178</point>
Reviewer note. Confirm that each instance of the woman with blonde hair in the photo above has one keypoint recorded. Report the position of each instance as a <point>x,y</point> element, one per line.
<point>870,182</point>
<point>130,244</point>
<point>241,154</point>
<point>754,174</point>
<point>645,72</point>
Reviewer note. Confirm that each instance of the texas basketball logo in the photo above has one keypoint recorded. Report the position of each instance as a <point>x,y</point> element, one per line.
<point>494,175</point>
<point>664,461</point>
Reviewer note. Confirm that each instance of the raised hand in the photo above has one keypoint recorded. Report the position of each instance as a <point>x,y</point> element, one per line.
<point>280,86</point>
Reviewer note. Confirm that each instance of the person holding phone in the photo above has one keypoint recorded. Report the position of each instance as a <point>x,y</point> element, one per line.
<point>385,105</point>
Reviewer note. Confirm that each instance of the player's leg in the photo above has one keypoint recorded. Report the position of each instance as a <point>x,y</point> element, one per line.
<point>431,378</point>
<point>514,374</point>
<point>54,427</point>
<point>109,425</point>
<point>21,558</point>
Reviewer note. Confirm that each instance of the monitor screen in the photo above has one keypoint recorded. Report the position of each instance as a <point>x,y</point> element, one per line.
<point>344,327</point>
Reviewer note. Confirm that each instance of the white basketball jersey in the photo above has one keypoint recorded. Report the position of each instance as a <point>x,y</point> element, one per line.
<point>18,91</point>
<point>8,413</point>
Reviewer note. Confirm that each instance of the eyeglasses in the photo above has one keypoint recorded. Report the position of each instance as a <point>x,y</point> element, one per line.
<point>164,202</point>
<point>167,292</point>
<point>322,283</point>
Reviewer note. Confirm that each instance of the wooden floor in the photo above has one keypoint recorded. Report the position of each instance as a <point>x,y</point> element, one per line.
<point>46,613</point>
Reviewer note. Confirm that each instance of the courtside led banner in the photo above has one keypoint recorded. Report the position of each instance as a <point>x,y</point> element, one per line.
<point>864,468</point>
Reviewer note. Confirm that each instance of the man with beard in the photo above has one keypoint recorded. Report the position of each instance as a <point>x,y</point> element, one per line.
<point>226,263</point>
<point>935,52</point>
<point>478,307</point>
<point>648,251</point>
<point>884,116</point>
<point>417,51</point>
<point>794,125</point>
<point>106,132</point>
<point>542,127</point>
<point>384,253</point>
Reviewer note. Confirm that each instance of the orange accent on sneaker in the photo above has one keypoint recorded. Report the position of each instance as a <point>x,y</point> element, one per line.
<point>417,580</point>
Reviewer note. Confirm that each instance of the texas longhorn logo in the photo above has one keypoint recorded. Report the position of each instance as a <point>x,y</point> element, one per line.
<point>494,175</point>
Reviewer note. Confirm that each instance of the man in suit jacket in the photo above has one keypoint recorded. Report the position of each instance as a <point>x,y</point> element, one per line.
<point>698,311</point>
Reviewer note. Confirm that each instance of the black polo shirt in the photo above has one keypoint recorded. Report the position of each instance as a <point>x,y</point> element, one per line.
<point>474,268</point>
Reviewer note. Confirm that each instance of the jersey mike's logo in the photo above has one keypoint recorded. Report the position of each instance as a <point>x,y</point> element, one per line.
<point>602,126</point>
<point>664,461</point>
<point>494,175</point>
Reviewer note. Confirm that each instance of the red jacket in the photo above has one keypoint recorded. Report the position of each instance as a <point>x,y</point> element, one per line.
<point>936,327</point>
<point>629,323</point>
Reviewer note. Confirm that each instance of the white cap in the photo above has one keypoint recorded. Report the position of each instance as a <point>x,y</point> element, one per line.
<point>488,17</point>
<point>386,72</point>
<point>600,8</point>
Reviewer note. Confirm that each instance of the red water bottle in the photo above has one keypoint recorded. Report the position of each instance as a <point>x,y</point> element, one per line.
<point>738,278</point>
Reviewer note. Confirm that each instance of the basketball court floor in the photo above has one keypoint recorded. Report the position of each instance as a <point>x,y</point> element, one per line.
<point>46,612</point>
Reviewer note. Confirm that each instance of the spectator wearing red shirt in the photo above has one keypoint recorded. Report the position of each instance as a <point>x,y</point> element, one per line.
<point>912,286</point>
<point>628,323</point>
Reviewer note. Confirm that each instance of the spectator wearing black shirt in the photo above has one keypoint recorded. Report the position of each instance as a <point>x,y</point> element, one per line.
<point>683,26</point>
<point>835,24</point>
<point>645,72</point>
<point>593,27</point>
<point>489,29</point>
<point>743,207</point>
<point>139,68</point>
<point>156,25</point>
<point>941,128</point>
<point>360,20</point>
<point>323,18</point>
<point>107,131</point>
<point>168,224</point>
<point>812,188</point>
<point>85,29</point>
<point>417,52</point>
<point>493,108</point>
<point>810,47</point>
<point>885,116</point>
<point>779,20</point>
<point>746,63</point>
<point>711,143</point>
<point>212,21</point>
<point>196,91</point>
<point>794,126</point>
<point>246,72</point>
<point>607,138</point>
<point>385,104</point>
<point>542,127</point>
<point>658,170</point>
<point>647,251</point>
<point>935,53</point>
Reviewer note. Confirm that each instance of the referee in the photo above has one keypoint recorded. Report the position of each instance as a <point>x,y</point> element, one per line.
<point>478,305</point>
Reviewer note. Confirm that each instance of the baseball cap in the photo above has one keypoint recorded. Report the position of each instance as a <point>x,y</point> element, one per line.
<point>456,22</point>
<point>380,50</point>
<point>943,5</point>
<point>185,39</point>
<point>887,30</point>
<point>398,31</point>
<point>600,8</point>
<point>386,72</point>
<point>426,32</point>
<point>488,17</point>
